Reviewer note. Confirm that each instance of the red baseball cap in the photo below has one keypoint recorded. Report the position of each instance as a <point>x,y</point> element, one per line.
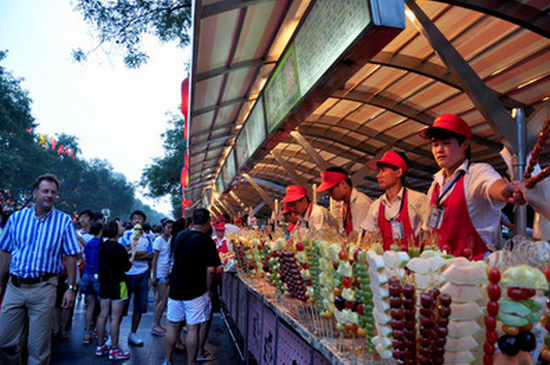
<point>221,218</point>
<point>329,179</point>
<point>389,158</point>
<point>294,193</point>
<point>449,122</point>
<point>239,220</point>
<point>285,210</point>
<point>220,227</point>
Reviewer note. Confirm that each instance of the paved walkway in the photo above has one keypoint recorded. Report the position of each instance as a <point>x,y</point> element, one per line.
<point>73,352</point>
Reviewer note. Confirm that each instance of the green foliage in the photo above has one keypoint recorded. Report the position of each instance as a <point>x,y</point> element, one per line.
<point>153,217</point>
<point>15,104</point>
<point>163,176</point>
<point>123,23</point>
<point>84,185</point>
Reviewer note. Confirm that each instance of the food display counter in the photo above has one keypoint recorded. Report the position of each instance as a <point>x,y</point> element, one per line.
<point>310,301</point>
<point>273,333</point>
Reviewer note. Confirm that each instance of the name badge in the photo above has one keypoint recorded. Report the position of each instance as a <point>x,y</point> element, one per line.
<point>436,217</point>
<point>397,230</point>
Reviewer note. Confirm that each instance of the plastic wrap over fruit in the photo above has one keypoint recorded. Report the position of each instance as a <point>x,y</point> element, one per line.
<point>521,251</point>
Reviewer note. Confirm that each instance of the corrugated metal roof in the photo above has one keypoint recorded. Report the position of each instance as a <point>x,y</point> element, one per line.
<point>383,105</point>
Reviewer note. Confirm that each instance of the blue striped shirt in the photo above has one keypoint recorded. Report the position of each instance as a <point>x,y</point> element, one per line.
<point>37,244</point>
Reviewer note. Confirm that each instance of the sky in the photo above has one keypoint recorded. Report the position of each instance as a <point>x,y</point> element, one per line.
<point>117,114</point>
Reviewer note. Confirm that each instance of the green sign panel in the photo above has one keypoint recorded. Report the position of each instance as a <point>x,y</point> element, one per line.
<point>283,90</point>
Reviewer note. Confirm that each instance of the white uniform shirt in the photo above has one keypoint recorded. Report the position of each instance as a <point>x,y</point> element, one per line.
<point>231,228</point>
<point>417,202</point>
<point>319,218</point>
<point>484,211</point>
<point>360,204</point>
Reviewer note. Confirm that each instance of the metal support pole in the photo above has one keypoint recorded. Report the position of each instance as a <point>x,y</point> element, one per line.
<point>481,95</point>
<point>237,199</point>
<point>215,210</point>
<point>291,171</point>
<point>257,208</point>
<point>519,169</point>
<point>315,156</point>
<point>227,207</point>
<point>260,191</point>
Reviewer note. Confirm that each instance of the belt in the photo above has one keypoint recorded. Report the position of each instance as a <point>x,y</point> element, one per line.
<point>17,281</point>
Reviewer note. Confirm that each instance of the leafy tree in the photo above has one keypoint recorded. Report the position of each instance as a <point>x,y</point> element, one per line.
<point>123,24</point>
<point>15,104</point>
<point>153,217</point>
<point>18,150</point>
<point>84,184</point>
<point>163,176</point>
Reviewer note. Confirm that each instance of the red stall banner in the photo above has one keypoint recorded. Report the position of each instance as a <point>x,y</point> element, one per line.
<point>184,177</point>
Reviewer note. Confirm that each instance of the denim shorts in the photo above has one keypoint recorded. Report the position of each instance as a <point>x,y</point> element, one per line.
<point>89,285</point>
<point>138,286</point>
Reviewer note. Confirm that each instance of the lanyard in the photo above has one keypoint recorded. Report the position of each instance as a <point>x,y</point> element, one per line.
<point>303,220</point>
<point>449,187</point>
<point>346,216</point>
<point>401,207</point>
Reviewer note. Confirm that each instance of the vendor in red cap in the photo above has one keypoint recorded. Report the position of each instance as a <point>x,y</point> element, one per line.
<point>336,182</point>
<point>398,213</point>
<point>465,198</point>
<point>239,223</point>
<point>290,216</point>
<point>220,240</point>
<point>229,227</point>
<point>312,216</point>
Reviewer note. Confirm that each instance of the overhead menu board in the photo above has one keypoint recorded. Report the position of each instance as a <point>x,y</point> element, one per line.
<point>330,28</point>
<point>230,169</point>
<point>282,92</point>
<point>220,186</point>
<point>255,127</point>
<point>241,148</point>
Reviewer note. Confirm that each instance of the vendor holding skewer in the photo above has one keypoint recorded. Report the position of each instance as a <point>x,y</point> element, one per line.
<point>336,182</point>
<point>465,198</point>
<point>398,213</point>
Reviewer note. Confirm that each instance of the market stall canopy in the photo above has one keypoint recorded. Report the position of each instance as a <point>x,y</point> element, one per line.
<point>478,59</point>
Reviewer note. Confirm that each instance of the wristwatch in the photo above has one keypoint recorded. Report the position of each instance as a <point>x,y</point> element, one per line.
<point>72,287</point>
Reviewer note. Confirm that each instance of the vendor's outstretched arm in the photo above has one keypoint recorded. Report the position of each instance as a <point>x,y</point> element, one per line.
<point>507,192</point>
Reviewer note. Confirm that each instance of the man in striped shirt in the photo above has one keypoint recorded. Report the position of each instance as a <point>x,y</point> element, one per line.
<point>32,245</point>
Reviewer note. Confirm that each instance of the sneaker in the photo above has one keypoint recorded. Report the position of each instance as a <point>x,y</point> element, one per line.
<point>101,350</point>
<point>134,340</point>
<point>107,340</point>
<point>118,354</point>
<point>87,339</point>
<point>206,356</point>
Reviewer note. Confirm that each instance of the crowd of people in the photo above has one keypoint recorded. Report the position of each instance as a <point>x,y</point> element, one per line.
<point>47,260</point>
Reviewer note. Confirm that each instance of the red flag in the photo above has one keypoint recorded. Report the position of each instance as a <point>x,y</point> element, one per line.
<point>53,144</point>
<point>60,149</point>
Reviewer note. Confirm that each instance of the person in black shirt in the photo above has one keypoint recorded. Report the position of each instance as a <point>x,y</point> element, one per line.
<point>196,260</point>
<point>114,261</point>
